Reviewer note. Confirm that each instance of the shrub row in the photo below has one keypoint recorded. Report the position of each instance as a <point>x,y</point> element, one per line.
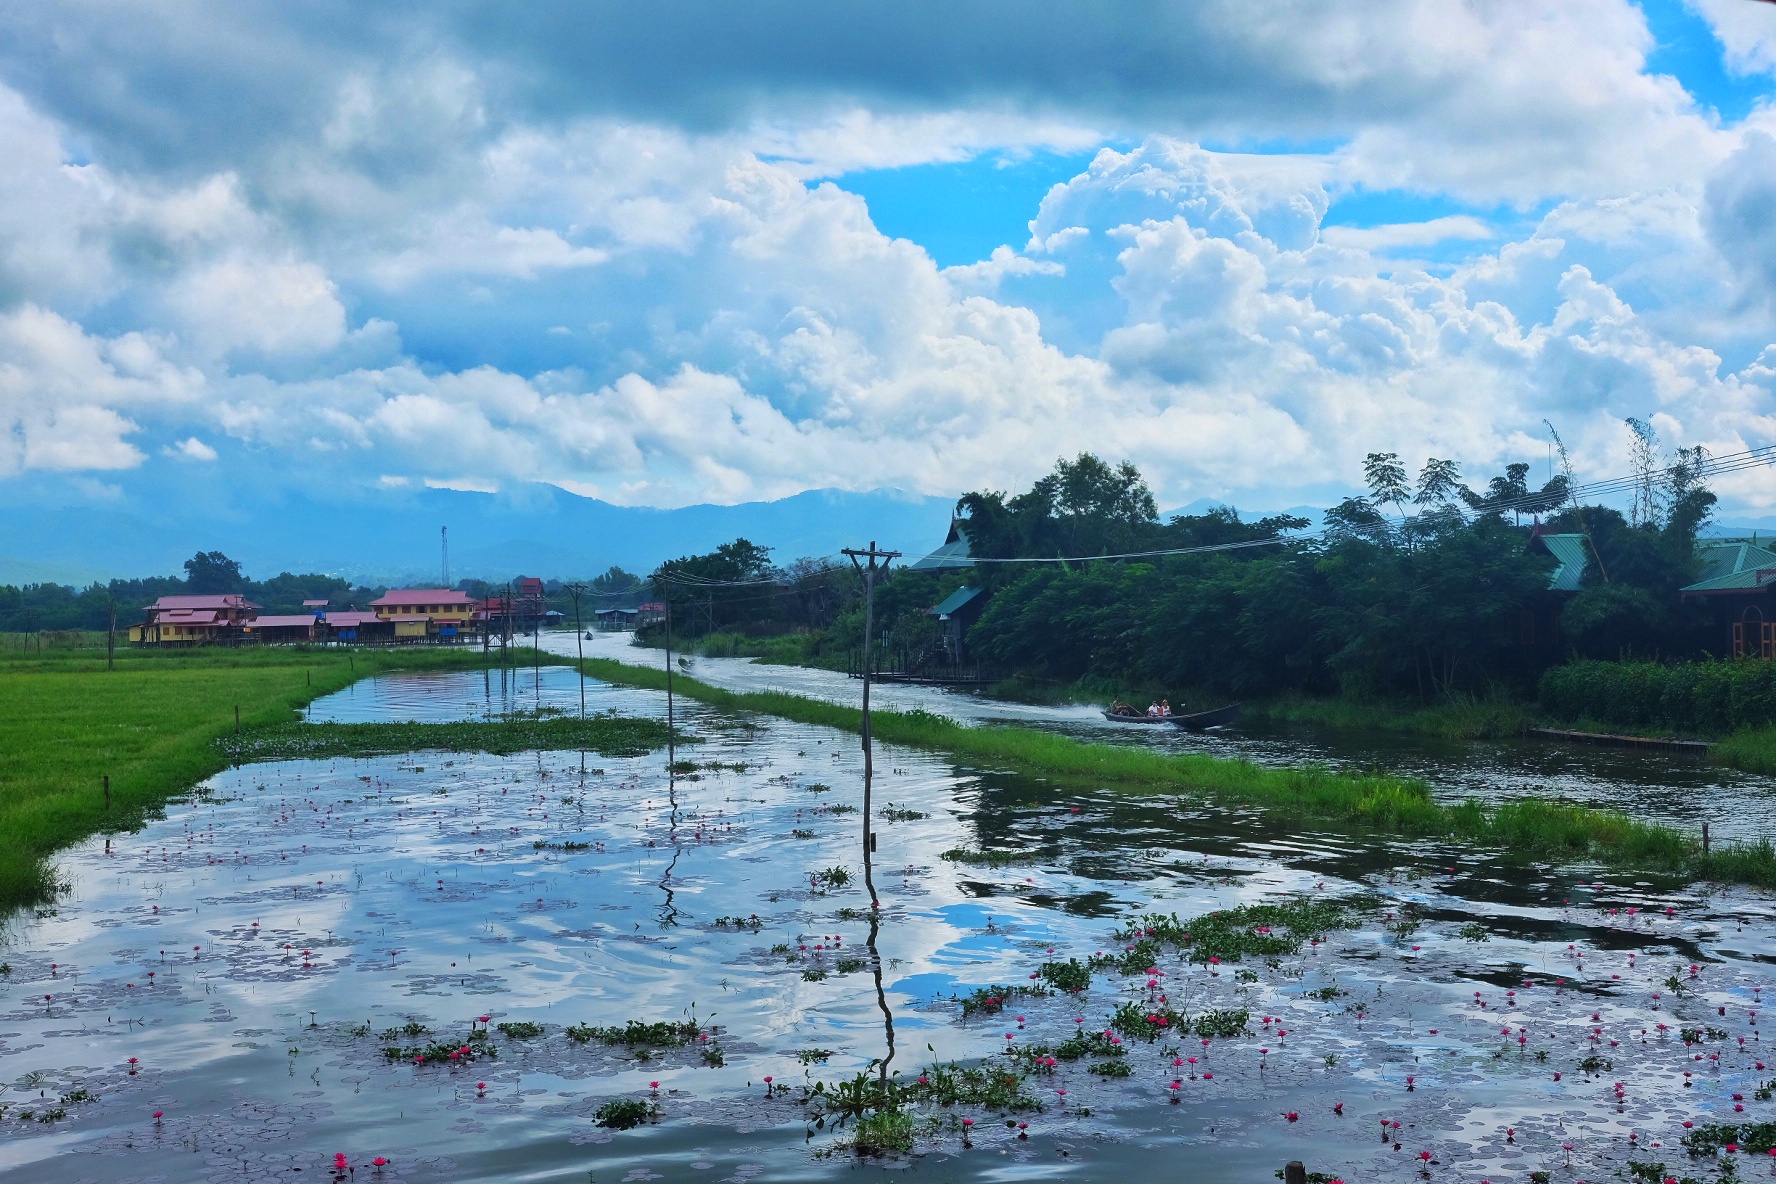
<point>1696,697</point>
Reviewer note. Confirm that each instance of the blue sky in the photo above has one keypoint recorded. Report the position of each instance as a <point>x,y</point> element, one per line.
<point>718,255</point>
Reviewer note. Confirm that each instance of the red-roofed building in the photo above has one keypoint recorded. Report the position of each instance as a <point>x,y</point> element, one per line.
<point>191,620</point>
<point>418,613</point>
<point>296,627</point>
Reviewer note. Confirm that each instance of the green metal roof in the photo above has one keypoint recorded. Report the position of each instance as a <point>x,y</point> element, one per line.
<point>954,601</point>
<point>1571,554</point>
<point>1732,565</point>
<point>953,553</point>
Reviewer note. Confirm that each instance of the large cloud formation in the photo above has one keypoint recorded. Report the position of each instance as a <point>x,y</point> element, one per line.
<point>612,247</point>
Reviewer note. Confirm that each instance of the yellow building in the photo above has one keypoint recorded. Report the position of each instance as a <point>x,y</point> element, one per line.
<point>193,620</point>
<point>418,613</point>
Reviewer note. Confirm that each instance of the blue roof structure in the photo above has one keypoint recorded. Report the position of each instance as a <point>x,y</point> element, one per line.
<point>1731,565</point>
<point>955,601</point>
<point>1571,554</point>
<point>953,554</point>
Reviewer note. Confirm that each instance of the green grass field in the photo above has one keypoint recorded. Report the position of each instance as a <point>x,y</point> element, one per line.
<point>151,725</point>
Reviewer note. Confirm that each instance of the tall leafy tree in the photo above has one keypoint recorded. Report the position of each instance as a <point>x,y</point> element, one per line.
<point>209,572</point>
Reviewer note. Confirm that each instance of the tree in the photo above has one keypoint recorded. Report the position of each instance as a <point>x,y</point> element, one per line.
<point>1084,507</point>
<point>1509,493</point>
<point>709,592</point>
<point>209,572</point>
<point>1356,518</point>
<point>1438,483</point>
<point>1645,509</point>
<point>1387,479</point>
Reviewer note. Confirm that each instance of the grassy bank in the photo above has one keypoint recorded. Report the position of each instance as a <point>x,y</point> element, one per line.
<point>151,725</point>
<point>1531,827</point>
<point>607,735</point>
<point>783,649</point>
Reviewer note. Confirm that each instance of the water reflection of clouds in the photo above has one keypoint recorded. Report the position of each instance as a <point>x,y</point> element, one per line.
<point>591,950</point>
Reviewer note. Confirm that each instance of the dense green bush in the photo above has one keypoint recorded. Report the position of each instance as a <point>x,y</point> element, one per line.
<point>1706,697</point>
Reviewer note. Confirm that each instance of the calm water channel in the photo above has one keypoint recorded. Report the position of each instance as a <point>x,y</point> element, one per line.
<point>1675,788</point>
<point>235,967</point>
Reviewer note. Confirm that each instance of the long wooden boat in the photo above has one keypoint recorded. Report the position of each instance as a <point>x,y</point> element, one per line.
<point>1201,720</point>
<point>1698,746</point>
<point>1142,718</point>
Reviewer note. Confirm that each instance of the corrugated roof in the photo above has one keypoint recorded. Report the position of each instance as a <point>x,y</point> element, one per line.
<point>350,620</point>
<point>301,620</point>
<point>1733,566</point>
<point>217,602</point>
<point>402,597</point>
<point>187,616</point>
<point>1571,554</point>
<point>955,601</point>
<point>954,553</point>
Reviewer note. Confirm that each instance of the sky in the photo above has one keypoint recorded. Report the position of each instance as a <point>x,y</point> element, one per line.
<point>719,253</point>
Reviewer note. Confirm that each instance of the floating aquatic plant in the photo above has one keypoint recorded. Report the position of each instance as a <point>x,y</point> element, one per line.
<point>621,1114</point>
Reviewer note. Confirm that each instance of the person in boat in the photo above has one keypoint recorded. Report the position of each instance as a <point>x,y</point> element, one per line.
<point>1121,708</point>
<point>1153,708</point>
<point>1165,706</point>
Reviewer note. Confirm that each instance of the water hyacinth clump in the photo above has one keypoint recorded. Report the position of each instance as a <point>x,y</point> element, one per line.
<point>621,1114</point>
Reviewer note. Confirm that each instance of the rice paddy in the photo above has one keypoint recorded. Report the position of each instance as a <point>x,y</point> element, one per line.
<point>150,726</point>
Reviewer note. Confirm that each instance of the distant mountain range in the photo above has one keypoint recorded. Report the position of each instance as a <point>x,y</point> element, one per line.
<point>391,536</point>
<point>394,539</point>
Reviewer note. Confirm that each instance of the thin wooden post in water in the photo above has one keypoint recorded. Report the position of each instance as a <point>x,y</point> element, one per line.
<point>1294,1172</point>
<point>576,590</point>
<point>671,755</point>
<point>878,561</point>
<point>1704,838</point>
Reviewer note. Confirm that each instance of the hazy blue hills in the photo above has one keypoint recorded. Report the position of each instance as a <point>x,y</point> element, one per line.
<point>393,536</point>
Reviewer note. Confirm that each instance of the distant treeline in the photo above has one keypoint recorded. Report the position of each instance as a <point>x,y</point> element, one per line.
<point>32,608</point>
<point>1423,588</point>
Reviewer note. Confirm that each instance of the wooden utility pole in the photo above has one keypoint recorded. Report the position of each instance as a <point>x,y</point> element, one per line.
<point>577,590</point>
<point>868,562</point>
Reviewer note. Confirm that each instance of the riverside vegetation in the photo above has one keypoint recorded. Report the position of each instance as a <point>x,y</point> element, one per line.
<point>1535,828</point>
<point>154,724</point>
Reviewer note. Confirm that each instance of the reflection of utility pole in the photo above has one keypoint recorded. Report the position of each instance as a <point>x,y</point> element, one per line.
<point>671,753</point>
<point>669,910</point>
<point>577,590</point>
<point>875,927</point>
